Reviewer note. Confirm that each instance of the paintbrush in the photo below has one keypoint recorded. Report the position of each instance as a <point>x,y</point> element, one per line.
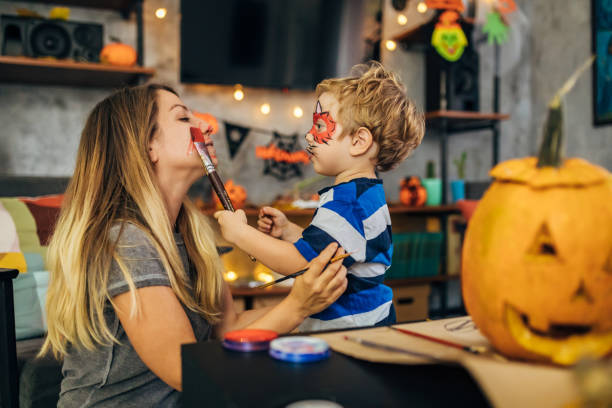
<point>392,349</point>
<point>200,144</point>
<point>469,349</point>
<point>300,272</point>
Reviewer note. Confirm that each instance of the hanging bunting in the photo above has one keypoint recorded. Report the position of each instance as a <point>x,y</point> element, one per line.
<point>283,156</point>
<point>235,135</point>
<point>455,5</point>
<point>496,27</point>
<point>448,38</point>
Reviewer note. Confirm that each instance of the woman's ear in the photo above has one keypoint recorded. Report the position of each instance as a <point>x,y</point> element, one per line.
<point>153,150</point>
<point>361,142</point>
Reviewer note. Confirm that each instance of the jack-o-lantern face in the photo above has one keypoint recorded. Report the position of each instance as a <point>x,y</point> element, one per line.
<point>537,261</point>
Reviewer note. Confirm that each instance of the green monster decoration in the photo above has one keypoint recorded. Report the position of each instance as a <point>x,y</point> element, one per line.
<point>448,37</point>
<point>495,28</point>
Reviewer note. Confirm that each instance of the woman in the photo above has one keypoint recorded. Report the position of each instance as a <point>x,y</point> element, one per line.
<point>134,268</point>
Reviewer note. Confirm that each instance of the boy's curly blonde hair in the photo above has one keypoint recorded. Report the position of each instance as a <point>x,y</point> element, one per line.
<point>373,97</point>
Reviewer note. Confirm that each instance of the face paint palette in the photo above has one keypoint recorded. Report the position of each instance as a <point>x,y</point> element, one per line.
<point>299,349</point>
<point>248,340</point>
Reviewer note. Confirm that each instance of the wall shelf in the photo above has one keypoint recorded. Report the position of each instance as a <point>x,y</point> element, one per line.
<point>464,121</point>
<point>65,72</point>
<point>124,6</point>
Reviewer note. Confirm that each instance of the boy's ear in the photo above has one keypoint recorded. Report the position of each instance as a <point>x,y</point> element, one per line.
<point>361,142</point>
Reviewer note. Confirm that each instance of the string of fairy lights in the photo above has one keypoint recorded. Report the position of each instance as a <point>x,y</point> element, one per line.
<point>297,111</point>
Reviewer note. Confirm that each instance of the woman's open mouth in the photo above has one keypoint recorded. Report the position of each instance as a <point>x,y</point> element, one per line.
<point>563,343</point>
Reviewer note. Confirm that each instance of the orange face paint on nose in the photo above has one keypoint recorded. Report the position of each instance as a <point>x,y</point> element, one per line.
<point>330,125</point>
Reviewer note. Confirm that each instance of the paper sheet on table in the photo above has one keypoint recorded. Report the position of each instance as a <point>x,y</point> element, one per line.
<point>506,383</point>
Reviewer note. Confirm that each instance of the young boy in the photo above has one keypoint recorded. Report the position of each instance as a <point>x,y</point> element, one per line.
<point>361,124</point>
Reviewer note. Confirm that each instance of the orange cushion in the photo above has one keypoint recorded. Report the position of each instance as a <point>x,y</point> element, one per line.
<point>45,210</point>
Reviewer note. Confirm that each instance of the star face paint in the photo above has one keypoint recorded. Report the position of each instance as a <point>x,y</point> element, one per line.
<point>323,126</point>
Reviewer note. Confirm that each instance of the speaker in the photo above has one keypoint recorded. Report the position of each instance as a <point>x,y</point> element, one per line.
<point>39,37</point>
<point>452,85</point>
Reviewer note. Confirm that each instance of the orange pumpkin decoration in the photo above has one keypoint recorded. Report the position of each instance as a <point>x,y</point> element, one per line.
<point>537,256</point>
<point>209,119</point>
<point>412,193</point>
<point>119,54</point>
<point>236,193</point>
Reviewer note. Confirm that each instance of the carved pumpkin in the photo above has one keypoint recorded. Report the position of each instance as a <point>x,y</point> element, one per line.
<point>236,193</point>
<point>537,256</point>
<point>118,54</point>
<point>412,193</point>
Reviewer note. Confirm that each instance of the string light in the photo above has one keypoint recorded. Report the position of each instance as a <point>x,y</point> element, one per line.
<point>161,13</point>
<point>264,277</point>
<point>422,7</point>
<point>298,112</point>
<point>238,93</point>
<point>391,45</point>
<point>402,19</point>
<point>231,276</point>
<point>265,108</point>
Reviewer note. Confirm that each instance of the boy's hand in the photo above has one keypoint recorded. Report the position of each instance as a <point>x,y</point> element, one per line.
<point>231,223</point>
<point>272,222</point>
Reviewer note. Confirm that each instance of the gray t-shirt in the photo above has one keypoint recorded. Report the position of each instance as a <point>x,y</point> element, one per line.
<point>114,376</point>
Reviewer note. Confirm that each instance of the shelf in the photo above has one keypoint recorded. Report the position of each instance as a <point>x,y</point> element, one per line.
<point>66,72</point>
<point>393,209</point>
<point>418,281</point>
<point>464,121</point>
<point>269,291</point>
<point>119,5</point>
<point>284,290</point>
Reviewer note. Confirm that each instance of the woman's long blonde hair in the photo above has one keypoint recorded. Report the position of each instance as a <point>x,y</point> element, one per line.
<point>113,183</point>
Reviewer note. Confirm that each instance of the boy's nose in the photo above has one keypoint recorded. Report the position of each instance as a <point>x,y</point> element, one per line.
<point>309,137</point>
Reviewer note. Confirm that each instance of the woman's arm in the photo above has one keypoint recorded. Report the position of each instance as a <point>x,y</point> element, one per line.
<point>157,330</point>
<point>312,292</point>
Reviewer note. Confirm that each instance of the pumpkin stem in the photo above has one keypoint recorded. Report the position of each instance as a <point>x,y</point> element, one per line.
<point>551,149</point>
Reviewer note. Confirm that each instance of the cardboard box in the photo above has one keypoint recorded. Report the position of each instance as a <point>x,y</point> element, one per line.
<point>411,302</point>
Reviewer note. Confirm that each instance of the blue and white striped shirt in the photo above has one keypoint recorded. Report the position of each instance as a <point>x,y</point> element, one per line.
<point>354,214</point>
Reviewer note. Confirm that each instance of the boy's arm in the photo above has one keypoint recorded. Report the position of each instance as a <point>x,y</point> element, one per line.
<point>292,233</point>
<point>278,255</point>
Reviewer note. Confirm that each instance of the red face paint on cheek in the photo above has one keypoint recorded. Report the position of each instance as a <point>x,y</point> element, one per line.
<point>330,125</point>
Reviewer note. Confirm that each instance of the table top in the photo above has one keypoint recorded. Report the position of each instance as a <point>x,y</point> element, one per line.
<point>214,376</point>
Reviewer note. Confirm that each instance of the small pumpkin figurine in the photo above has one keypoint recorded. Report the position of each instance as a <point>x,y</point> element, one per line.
<point>117,53</point>
<point>236,193</point>
<point>412,193</point>
<point>537,256</point>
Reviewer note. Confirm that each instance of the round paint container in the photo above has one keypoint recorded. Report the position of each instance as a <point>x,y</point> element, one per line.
<point>248,339</point>
<point>299,349</point>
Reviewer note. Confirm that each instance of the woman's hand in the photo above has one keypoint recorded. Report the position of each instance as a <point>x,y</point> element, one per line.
<point>272,222</point>
<point>231,224</point>
<point>319,286</point>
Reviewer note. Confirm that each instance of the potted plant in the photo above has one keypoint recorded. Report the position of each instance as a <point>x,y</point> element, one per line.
<point>433,185</point>
<point>458,186</point>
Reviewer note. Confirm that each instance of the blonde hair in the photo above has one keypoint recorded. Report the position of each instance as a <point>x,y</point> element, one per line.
<point>374,98</point>
<point>113,184</point>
